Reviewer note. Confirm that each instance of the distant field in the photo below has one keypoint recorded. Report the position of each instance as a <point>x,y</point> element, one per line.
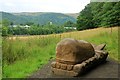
<point>23,55</point>
<point>76,34</point>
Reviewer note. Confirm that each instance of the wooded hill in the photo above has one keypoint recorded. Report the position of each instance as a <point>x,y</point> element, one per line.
<point>37,18</point>
<point>99,14</point>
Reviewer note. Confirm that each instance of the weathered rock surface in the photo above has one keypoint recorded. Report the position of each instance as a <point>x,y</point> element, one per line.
<point>73,57</point>
<point>71,51</point>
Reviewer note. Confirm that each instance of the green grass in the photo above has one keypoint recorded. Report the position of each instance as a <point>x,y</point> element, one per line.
<point>22,57</point>
<point>27,66</point>
<point>0,56</point>
<point>111,39</point>
<point>0,40</point>
<point>26,56</point>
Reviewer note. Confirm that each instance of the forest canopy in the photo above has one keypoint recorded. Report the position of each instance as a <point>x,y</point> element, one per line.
<point>99,14</point>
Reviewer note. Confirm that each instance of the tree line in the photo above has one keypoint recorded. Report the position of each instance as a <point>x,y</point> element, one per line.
<point>99,14</point>
<point>8,29</point>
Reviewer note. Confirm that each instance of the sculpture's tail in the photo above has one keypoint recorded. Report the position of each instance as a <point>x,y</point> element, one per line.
<point>99,47</point>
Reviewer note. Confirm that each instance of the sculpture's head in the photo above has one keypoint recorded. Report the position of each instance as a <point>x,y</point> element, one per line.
<point>71,51</point>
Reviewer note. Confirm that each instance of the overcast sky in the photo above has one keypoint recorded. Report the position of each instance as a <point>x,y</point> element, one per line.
<point>62,6</point>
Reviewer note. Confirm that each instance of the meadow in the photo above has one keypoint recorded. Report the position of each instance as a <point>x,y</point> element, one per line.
<point>0,63</point>
<point>23,55</point>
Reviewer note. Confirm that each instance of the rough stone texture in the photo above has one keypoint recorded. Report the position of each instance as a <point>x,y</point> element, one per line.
<point>64,66</point>
<point>100,47</point>
<point>78,68</point>
<point>73,57</point>
<point>58,65</point>
<point>69,67</point>
<point>71,51</point>
<point>53,64</point>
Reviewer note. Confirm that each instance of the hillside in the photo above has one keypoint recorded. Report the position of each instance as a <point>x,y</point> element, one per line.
<point>99,14</point>
<point>37,18</point>
<point>13,18</point>
<point>75,15</point>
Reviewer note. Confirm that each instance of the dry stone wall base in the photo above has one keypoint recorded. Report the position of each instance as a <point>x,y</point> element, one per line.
<point>77,69</point>
<point>69,67</point>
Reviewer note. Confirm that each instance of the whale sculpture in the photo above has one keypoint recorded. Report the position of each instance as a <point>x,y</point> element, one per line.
<point>73,57</point>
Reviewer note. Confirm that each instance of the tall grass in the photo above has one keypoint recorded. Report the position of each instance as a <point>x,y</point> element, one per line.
<point>24,55</point>
<point>0,56</point>
<point>19,54</point>
<point>111,41</point>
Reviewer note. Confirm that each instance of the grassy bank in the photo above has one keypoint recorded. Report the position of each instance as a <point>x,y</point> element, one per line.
<point>22,57</point>
<point>0,56</point>
<point>111,40</point>
<point>25,54</point>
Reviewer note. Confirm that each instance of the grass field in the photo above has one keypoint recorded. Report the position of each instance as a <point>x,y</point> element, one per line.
<point>0,63</point>
<point>23,55</point>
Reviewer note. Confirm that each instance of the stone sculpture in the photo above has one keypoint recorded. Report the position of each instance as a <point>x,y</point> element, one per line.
<point>73,57</point>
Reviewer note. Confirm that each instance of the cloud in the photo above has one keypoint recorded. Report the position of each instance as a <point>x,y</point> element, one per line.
<point>63,6</point>
<point>9,4</point>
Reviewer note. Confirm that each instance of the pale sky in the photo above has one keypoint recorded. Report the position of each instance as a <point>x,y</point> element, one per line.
<point>62,6</point>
